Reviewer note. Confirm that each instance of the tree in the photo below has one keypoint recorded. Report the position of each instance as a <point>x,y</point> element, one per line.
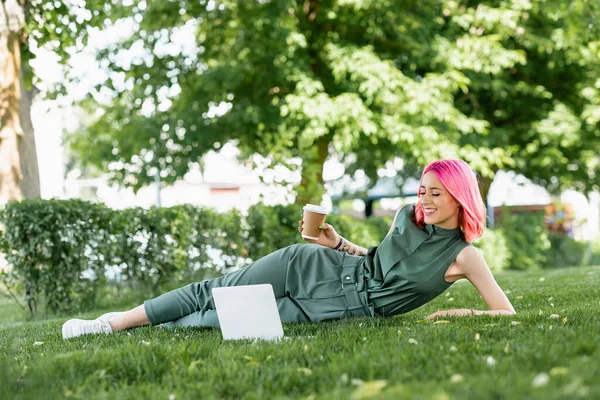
<point>11,132</point>
<point>370,80</point>
<point>24,26</point>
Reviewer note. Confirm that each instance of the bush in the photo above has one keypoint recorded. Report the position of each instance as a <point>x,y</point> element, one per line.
<point>566,252</point>
<point>50,244</point>
<point>271,228</point>
<point>527,239</point>
<point>494,248</point>
<point>63,251</point>
<point>594,252</point>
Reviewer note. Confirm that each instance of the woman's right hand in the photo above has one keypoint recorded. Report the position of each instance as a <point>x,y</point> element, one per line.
<point>327,237</point>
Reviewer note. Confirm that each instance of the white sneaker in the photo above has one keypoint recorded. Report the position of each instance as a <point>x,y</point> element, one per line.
<point>111,315</point>
<point>77,327</point>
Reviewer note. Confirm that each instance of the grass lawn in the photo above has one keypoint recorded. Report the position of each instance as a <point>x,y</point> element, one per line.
<point>549,350</point>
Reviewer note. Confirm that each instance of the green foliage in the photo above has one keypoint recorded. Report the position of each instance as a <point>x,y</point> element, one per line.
<point>494,248</point>
<point>271,228</point>
<point>63,251</point>
<point>510,85</point>
<point>566,252</point>
<point>526,235</point>
<point>595,252</point>
<point>63,28</point>
<point>365,233</point>
<point>50,244</point>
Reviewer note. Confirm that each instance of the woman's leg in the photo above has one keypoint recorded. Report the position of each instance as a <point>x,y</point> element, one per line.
<point>129,319</point>
<point>194,300</point>
<point>193,305</point>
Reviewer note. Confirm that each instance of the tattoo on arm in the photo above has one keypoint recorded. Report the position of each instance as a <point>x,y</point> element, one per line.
<point>351,248</point>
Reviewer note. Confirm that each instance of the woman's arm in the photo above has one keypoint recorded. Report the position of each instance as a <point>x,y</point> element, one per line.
<point>475,269</point>
<point>349,247</point>
<point>330,238</point>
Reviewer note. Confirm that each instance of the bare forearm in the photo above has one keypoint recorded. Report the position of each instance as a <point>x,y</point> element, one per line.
<point>350,248</point>
<point>494,312</point>
<point>468,312</point>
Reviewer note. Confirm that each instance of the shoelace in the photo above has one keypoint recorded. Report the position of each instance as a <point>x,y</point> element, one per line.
<point>96,325</point>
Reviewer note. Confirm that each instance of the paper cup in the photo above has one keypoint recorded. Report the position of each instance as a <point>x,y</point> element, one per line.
<point>313,217</point>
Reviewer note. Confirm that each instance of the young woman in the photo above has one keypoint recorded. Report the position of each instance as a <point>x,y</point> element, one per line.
<point>426,250</point>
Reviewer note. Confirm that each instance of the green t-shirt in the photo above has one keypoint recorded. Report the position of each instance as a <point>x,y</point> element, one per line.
<point>407,269</point>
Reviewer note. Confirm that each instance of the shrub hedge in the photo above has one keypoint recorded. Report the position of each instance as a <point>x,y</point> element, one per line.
<point>64,250</point>
<point>527,239</point>
<point>494,248</point>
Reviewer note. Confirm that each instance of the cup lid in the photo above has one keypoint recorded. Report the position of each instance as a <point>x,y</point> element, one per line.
<point>317,209</point>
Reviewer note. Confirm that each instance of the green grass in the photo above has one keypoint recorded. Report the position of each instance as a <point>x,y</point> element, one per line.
<point>466,358</point>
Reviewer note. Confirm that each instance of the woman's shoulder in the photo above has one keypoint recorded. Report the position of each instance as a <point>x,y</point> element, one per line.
<point>468,255</point>
<point>407,211</point>
<point>406,220</point>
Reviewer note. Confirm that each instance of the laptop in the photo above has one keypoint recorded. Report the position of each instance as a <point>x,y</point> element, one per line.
<point>248,312</point>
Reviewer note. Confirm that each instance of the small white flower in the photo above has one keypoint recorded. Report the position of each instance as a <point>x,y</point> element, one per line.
<point>456,378</point>
<point>477,336</point>
<point>412,341</point>
<point>36,344</point>
<point>453,349</point>
<point>490,361</point>
<point>145,343</point>
<point>540,379</point>
<point>515,323</point>
<point>542,279</point>
<point>554,316</point>
<point>344,378</point>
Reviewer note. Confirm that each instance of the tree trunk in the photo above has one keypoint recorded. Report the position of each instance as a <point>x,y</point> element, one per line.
<point>30,185</point>
<point>11,23</point>
<point>312,183</point>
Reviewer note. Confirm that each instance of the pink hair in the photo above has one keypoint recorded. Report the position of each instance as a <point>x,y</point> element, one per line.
<point>461,182</point>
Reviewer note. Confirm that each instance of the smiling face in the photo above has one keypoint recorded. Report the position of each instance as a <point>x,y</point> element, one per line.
<point>439,207</point>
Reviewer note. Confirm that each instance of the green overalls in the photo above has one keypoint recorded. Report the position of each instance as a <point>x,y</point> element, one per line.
<point>314,283</point>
